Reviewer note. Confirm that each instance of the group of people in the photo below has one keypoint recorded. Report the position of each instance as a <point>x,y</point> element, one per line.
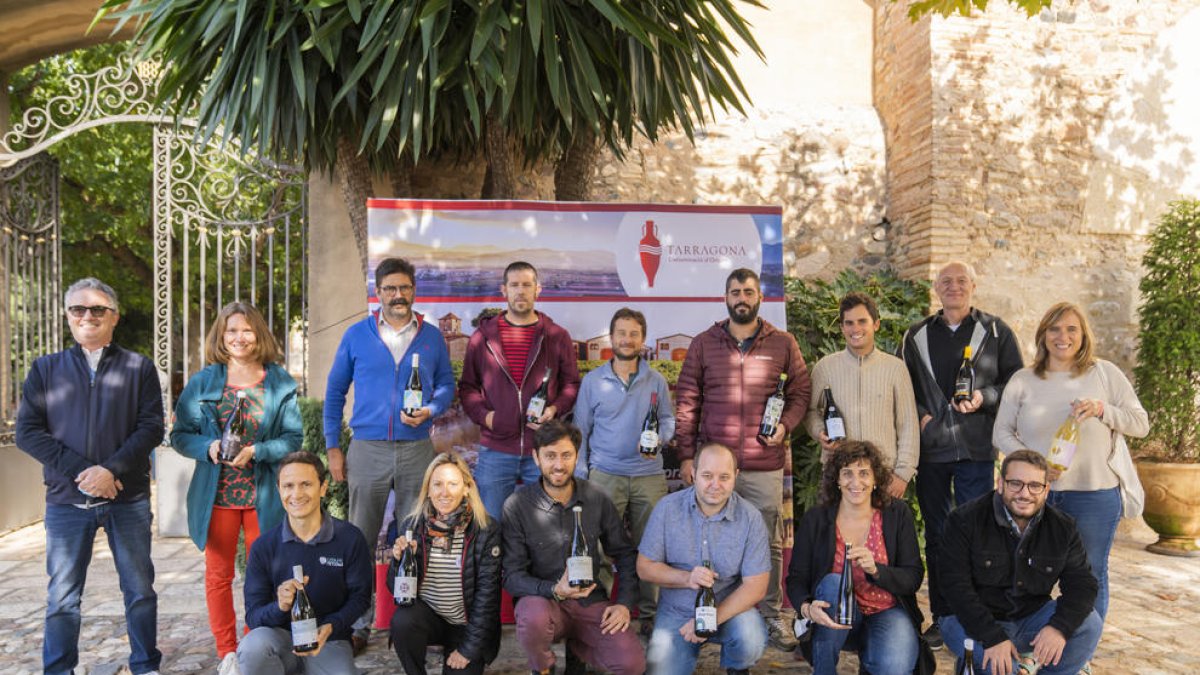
<point>564,470</point>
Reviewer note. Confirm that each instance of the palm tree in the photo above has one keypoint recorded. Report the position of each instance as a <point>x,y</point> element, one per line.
<point>376,86</point>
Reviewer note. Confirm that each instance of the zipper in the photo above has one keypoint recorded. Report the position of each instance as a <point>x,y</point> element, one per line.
<point>462,576</point>
<point>537,349</point>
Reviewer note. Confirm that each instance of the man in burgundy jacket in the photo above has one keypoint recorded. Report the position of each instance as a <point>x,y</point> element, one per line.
<point>507,358</point>
<point>730,371</point>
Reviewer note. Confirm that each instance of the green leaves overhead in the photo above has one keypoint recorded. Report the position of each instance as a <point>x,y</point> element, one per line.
<point>919,8</point>
<point>420,76</point>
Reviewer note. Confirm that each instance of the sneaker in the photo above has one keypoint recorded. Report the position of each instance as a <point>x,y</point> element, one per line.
<point>933,637</point>
<point>229,665</point>
<point>779,635</point>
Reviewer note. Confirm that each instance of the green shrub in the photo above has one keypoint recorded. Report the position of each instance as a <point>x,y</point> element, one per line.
<point>668,369</point>
<point>812,314</point>
<point>336,500</point>
<point>1168,368</point>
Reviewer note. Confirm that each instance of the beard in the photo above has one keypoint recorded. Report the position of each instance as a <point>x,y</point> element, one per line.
<point>748,317</point>
<point>631,356</point>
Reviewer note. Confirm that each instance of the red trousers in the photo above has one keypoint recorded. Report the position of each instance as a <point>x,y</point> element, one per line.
<point>541,622</point>
<point>220,553</point>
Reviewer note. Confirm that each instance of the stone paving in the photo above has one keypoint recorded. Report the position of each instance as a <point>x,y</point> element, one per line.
<point>1152,625</point>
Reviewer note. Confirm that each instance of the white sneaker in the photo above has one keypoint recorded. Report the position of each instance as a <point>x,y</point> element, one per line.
<point>229,665</point>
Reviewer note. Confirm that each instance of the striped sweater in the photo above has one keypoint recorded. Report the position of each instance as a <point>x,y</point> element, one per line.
<point>875,396</point>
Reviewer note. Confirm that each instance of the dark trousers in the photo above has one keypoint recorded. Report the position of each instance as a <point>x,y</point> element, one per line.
<point>934,494</point>
<point>416,627</point>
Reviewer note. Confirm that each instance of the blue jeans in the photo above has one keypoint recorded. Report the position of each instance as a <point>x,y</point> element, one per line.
<point>268,651</point>
<point>971,480</point>
<point>1096,514</point>
<point>743,640</point>
<point>496,475</point>
<point>1077,652</point>
<point>886,641</point>
<point>70,532</point>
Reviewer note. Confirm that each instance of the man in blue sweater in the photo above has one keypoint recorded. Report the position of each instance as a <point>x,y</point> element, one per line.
<point>613,402</point>
<point>337,579</point>
<point>391,448</point>
<point>91,415</point>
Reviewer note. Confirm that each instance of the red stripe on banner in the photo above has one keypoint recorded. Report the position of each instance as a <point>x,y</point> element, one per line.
<point>483,205</point>
<point>584,298</point>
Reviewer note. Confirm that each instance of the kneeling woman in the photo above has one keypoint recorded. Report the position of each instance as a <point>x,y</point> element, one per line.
<point>886,566</point>
<point>458,558</point>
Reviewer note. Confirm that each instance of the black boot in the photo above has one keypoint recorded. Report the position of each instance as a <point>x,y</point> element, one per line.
<point>574,665</point>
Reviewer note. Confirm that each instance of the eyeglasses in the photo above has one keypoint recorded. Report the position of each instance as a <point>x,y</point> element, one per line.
<point>97,311</point>
<point>1015,487</point>
<point>392,290</point>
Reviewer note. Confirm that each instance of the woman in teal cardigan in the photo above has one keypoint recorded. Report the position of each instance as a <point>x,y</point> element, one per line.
<point>227,497</point>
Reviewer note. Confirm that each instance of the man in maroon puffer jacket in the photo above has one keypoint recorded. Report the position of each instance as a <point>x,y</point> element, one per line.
<point>730,371</point>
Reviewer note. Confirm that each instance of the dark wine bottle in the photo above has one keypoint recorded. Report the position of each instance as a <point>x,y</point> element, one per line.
<point>537,404</point>
<point>304,618</point>
<point>413,392</point>
<point>835,424</point>
<point>774,410</point>
<point>706,610</point>
<point>579,564</point>
<point>406,574</point>
<point>648,441</point>
<point>846,604</point>
<point>235,427</point>
<point>967,666</point>
<point>964,382</point>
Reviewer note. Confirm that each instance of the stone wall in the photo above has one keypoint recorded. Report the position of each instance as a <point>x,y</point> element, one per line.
<point>1055,144</point>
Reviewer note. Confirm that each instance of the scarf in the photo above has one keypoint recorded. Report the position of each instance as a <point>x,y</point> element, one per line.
<point>440,530</point>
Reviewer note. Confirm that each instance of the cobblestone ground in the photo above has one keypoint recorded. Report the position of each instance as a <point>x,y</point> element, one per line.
<point>1152,625</point>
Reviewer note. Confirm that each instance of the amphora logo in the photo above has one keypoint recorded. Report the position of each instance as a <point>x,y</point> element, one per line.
<point>684,254</point>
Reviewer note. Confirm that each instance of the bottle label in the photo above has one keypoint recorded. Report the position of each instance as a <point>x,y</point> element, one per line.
<point>773,412</point>
<point>304,632</point>
<point>706,619</point>
<point>648,441</point>
<point>835,428</point>
<point>962,389</point>
<point>406,588</point>
<point>412,399</point>
<point>1061,453</point>
<point>579,569</point>
<point>537,405</point>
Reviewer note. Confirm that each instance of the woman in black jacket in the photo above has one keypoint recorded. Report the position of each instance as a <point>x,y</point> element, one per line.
<point>458,556</point>
<point>887,569</point>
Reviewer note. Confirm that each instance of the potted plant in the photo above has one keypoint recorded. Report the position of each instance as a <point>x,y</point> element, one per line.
<point>1168,380</point>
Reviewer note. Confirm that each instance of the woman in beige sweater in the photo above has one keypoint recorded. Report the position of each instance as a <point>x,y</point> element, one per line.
<point>1066,379</point>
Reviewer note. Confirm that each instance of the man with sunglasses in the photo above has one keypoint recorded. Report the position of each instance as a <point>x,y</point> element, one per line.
<point>390,448</point>
<point>91,415</point>
<point>1003,554</point>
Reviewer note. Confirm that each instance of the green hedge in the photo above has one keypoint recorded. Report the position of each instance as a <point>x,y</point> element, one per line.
<point>337,499</point>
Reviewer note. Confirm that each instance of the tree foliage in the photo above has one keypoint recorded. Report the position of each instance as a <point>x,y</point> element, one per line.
<point>1168,367</point>
<point>920,8</point>
<point>105,192</point>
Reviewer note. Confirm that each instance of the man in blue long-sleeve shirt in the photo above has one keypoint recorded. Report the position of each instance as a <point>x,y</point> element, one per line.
<point>613,402</point>
<point>391,445</point>
<point>338,577</point>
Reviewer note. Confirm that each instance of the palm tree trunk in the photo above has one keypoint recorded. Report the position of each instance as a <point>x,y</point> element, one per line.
<point>577,167</point>
<point>500,182</point>
<point>354,178</point>
<point>402,177</point>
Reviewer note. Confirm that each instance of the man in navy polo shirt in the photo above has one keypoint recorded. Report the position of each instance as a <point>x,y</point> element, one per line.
<point>337,579</point>
<point>707,522</point>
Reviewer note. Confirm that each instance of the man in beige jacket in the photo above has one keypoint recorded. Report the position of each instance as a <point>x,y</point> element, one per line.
<point>873,392</point>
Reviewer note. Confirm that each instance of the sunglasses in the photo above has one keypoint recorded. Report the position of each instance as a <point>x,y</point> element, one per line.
<point>97,311</point>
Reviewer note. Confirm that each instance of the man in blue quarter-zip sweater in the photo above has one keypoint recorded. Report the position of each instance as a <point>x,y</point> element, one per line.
<point>336,567</point>
<point>390,448</point>
<point>91,415</point>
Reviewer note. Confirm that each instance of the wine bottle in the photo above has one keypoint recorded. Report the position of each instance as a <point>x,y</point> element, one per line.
<point>1062,447</point>
<point>964,382</point>
<point>648,441</point>
<point>413,392</point>
<point>847,604</point>
<point>774,410</point>
<point>304,618</point>
<point>537,404</point>
<point>706,610</point>
<point>235,427</point>
<point>579,564</point>
<point>967,666</point>
<point>406,574</point>
<point>835,424</point>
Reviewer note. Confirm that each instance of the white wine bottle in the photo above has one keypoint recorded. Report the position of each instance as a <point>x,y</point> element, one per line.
<point>1062,447</point>
<point>706,610</point>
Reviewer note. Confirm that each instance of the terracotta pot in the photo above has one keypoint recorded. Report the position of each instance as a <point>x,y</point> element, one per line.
<point>1172,506</point>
